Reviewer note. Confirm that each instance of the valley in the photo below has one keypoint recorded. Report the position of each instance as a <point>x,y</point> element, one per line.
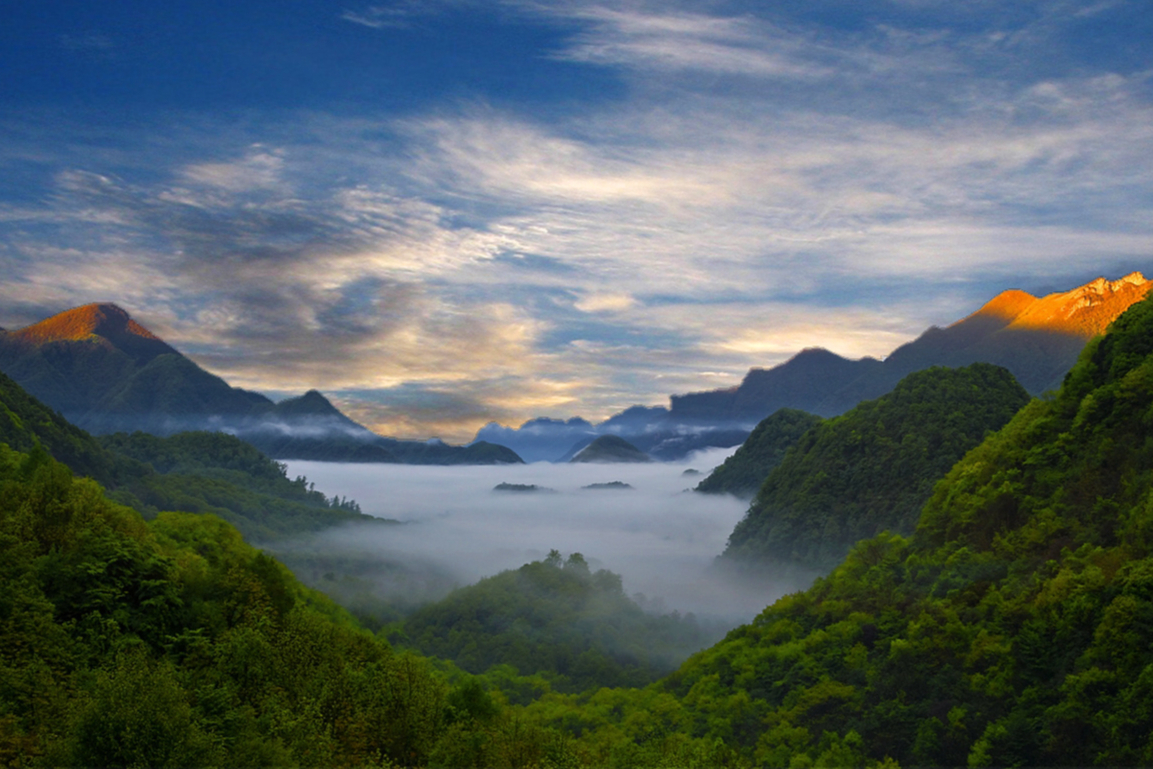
<point>952,572</point>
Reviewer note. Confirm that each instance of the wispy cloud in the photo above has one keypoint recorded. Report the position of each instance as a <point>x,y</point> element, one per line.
<point>689,41</point>
<point>473,262</point>
<point>398,14</point>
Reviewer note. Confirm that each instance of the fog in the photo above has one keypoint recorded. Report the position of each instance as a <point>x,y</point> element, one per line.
<point>660,537</point>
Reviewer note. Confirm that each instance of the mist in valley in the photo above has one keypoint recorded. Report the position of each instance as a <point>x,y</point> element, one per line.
<point>455,529</point>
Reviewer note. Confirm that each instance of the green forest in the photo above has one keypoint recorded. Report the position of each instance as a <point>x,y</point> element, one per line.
<point>870,469</point>
<point>1004,619</point>
<point>743,473</point>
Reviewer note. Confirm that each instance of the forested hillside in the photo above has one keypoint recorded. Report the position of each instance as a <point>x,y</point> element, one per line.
<point>172,643</point>
<point>189,472</point>
<point>575,627</point>
<point>871,469</point>
<point>1013,628</point>
<point>743,473</point>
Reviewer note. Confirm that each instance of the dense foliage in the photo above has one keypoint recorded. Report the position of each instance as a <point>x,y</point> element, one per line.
<point>574,627</point>
<point>175,644</point>
<point>1012,629</point>
<point>872,469</point>
<point>172,643</point>
<point>216,473</point>
<point>189,472</point>
<point>25,423</point>
<point>743,473</point>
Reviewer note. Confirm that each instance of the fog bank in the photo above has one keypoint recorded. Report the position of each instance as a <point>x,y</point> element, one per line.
<point>660,537</point>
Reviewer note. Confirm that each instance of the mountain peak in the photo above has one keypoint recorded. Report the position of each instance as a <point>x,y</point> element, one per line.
<point>104,319</point>
<point>1087,310</point>
<point>1082,312</point>
<point>102,323</point>
<point>611,448</point>
<point>1007,305</point>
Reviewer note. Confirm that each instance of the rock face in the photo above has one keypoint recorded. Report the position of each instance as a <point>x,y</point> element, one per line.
<point>106,373</point>
<point>611,448</point>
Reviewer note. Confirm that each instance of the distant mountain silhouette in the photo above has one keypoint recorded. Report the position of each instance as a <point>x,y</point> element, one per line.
<point>1037,339</point>
<point>805,382</point>
<point>106,373</point>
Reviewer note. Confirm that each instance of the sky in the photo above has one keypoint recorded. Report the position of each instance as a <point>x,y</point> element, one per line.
<point>447,212</point>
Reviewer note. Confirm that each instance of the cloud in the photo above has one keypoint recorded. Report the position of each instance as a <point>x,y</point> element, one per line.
<point>688,41</point>
<point>261,168</point>
<point>397,15</point>
<point>605,303</point>
<point>761,184</point>
<point>661,540</point>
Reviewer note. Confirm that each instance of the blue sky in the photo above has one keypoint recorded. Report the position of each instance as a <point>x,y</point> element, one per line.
<point>447,212</point>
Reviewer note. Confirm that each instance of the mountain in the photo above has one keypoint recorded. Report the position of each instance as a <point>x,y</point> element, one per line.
<point>871,469</point>
<point>106,373</point>
<point>743,473</point>
<point>611,448</point>
<point>539,440</point>
<point>555,618</point>
<point>1013,628</point>
<point>193,472</point>
<point>1037,339</point>
<point>26,423</point>
<point>174,643</point>
<point>805,382</point>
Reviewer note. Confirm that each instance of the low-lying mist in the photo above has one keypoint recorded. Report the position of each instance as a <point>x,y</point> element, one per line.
<point>660,537</point>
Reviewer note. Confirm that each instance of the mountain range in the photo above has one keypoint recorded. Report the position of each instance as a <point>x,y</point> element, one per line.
<point>1036,338</point>
<point>106,373</point>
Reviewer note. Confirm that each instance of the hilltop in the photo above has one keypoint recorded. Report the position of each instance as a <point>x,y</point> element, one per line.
<point>871,469</point>
<point>611,448</point>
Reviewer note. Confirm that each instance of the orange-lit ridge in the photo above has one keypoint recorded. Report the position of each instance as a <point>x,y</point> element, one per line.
<point>106,320</point>
<point>1085,311</point>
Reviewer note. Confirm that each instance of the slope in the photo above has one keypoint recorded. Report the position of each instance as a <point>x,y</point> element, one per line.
<point>557,619</point>
<point>1038,339</point>
<point>743,473</point>
<point>1012,629</point>
<point>25,424</point>
<point>173,643</point>
<point>193,472</point>
<point>871,469</point>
